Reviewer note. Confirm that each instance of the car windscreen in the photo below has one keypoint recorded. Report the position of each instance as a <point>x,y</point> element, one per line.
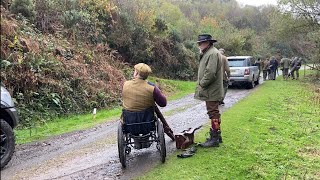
<point>236,62</point>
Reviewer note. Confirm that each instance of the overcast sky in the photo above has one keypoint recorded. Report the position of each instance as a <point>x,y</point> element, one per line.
<point>257,2</point>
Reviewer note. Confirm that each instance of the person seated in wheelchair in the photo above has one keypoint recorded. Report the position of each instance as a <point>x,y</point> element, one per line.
<point>139,97</point>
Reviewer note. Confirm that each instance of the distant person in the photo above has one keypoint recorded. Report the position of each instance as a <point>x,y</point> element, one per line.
<point>265,68</point>
<point>226,74</point>
<point>258,63</point>
<point>278,57</point>
<point>269,71</point>
<point>273,67</point>
<point>291,60</point>
<point>295,67</point>
<point>285,64</point>
<point>210,85</point>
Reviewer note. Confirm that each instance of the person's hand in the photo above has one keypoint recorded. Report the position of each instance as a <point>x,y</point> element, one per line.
<point>201,87</point>
<point>158,84</point>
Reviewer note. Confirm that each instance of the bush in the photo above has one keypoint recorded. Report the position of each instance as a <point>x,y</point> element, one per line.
<point>24,7</point>
<point>160,25</point>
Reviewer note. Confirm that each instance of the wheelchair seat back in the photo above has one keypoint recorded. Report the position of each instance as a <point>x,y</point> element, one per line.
<point>141,122</point>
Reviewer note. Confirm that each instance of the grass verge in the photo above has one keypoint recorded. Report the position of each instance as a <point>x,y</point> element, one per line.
<point>174,89</point>
<point>272,134</point>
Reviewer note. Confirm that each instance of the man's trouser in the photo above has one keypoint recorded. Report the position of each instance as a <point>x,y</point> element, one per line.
<point>213,109</point>
<point>265,74</point>
<point>214,114</point>
<point>285,73</point>
<point>269,74</point>
<point>272,74</point>
<point>225,88</point>
<point>297,72</point>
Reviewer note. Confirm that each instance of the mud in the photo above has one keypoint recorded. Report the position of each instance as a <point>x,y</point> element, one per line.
<point>93,153</point>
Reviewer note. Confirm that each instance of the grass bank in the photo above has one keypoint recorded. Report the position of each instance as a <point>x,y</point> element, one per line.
<point>272,134</point>
<point>173,89</point>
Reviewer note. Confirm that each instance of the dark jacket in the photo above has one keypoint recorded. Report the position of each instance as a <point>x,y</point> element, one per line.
<point>273,64</point>
<point>296,64</point>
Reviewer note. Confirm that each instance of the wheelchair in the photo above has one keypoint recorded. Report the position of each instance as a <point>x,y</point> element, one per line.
<point>140,130</point>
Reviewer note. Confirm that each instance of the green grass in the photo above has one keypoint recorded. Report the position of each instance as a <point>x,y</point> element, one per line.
<point>272,134</point>
<point>175,89</point>
<point>64,125</point>
<point>177,110</point>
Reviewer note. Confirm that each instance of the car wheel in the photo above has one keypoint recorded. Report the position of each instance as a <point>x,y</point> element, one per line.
<point>7,143</point>
<point>251,84</point>
<point>161,141</point>
<point>122,146</point>
<point>257,81</point>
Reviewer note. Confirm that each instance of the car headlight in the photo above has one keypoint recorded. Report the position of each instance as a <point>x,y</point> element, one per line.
<point>6,97</point>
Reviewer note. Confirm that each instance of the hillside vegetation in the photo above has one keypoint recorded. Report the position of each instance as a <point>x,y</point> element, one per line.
<point>67,57</point>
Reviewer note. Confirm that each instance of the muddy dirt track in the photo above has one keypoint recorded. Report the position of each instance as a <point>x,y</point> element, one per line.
<point>93,153</point>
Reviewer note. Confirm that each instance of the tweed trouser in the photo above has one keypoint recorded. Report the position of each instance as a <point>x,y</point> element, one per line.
<point>285,73</point>
<point>265,74</point>
<point>297,74</point>
<point>214,114</point>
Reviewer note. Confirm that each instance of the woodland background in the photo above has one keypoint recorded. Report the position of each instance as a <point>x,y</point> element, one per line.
<point>61,57</point>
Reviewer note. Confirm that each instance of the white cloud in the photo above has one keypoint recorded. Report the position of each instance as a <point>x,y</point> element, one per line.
<point>257,2</point>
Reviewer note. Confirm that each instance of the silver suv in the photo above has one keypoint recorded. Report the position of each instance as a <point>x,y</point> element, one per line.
<point>9,120</point>
<point>243,71</point>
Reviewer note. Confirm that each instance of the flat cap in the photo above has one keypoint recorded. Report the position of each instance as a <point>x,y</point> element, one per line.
<point>143,69</point>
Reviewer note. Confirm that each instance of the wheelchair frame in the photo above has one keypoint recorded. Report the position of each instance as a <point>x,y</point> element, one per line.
<point>127,140</point>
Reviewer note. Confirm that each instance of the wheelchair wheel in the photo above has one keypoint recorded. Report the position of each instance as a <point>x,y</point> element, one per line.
<point>161,142</point>
<point>121,146</point>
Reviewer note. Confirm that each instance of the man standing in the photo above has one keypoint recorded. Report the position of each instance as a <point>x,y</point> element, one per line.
<point>210,85</point>
<point>295,67</point>
<point>265,67</point>
<point>258,63</point>
<point>285,64</point>
<point>278,57</point>
<point>226,74</point>
<point>273,67</point>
